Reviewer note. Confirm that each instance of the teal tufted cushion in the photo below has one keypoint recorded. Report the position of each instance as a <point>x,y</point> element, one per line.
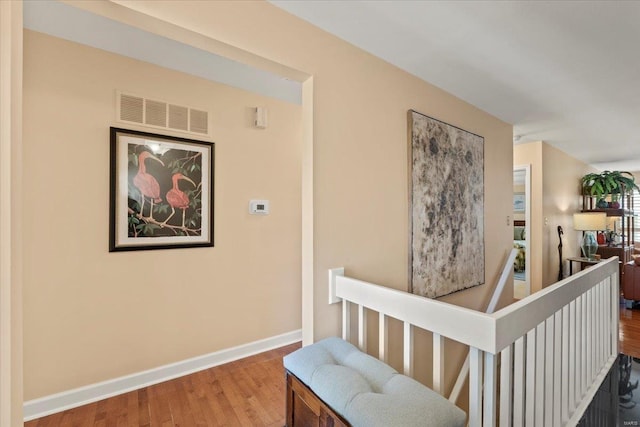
<point>368,392</point>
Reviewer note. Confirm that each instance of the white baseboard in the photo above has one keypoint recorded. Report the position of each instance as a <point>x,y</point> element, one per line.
<point>62,401</point>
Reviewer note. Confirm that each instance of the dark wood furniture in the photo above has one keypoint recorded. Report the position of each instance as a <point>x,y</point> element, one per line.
<point>631,285</point>
<point>625,228</point>
<point>584,263</point>
<point>305,409</point>
<point>622,252</point>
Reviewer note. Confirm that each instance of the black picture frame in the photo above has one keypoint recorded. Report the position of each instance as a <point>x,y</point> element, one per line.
<point>161,191</point>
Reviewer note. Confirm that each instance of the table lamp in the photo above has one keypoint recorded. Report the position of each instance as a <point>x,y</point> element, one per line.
<point>588,222</point>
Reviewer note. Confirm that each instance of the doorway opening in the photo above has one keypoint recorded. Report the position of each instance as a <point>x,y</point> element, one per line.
<point>521,231</point>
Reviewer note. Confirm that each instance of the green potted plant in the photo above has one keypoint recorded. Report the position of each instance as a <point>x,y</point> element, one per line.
<point>602,184</point>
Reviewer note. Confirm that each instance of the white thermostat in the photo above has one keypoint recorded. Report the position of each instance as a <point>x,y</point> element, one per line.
<point>259,207</point>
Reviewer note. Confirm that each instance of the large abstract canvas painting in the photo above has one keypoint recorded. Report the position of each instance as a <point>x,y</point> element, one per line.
<point>446,180</point>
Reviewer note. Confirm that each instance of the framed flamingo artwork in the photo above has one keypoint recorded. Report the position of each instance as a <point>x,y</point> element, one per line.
<point>161,191</point>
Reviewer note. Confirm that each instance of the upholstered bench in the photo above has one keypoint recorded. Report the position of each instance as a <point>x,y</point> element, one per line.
<point>331,382</point>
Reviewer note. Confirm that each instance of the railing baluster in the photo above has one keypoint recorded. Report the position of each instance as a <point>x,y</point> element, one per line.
<point>490,382</point>
<point>407,355</point>
<point>603,302</point>
<point>475,387</point>
<point>596,331</point>
<point>540,359</point>
<point>362,328</point>
<point>548,371</point>
<point>590,333</point>
<point>346,320</point>
<point>605,322</point>
<point>531,379</point>
<point>583,357</point>
<point>519,381</point>
<point>438,363</point>
<point>594,343</point>
<point>557,368</point>
<point>615,300</point>
<point>506,405</point>
<point>568,366</point>
<point>600,326</point>
<point>383,337</point>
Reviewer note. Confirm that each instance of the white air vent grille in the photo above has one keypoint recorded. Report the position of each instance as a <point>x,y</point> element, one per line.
<point>131,108</point>
<point>199,121</point>
<point>160,114</point>
<point>178,117</point>
<point>155,113</point>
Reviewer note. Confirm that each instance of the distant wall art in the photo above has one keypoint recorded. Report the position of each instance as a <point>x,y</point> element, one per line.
<point>446,181</point>
<point>519,203</point>
<point>161,191</point>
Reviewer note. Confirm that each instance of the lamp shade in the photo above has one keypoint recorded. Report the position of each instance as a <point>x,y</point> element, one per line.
<point>590,221</point>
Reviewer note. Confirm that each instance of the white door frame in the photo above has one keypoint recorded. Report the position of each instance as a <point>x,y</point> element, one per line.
<point>10,206</point>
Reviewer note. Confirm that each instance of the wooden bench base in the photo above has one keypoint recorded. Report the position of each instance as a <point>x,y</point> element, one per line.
<point>305,409</point>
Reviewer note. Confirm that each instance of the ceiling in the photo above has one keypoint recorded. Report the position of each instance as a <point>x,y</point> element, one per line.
<point>567,73</point>
<point>77,25</point>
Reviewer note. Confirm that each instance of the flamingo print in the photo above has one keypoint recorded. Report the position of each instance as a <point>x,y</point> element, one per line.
<point>178,198</point>
<point>146,183</point>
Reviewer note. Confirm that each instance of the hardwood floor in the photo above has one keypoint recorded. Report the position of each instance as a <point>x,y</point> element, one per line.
<point>247,392</point>
<point>629,332</point>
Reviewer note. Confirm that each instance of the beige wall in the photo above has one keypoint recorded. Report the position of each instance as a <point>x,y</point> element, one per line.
<point>561,199</point>
<point>91,315</point>
<point>555,183</point>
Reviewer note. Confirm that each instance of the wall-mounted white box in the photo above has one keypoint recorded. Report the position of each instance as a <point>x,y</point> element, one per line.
<point>259,207</point>
<point>260,117</point>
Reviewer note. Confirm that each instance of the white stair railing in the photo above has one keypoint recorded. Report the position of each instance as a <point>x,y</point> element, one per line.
<point>542,358</point>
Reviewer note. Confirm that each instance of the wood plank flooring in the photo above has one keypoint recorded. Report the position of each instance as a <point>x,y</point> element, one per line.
<point>629,332</point>
<point>247,392</point>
